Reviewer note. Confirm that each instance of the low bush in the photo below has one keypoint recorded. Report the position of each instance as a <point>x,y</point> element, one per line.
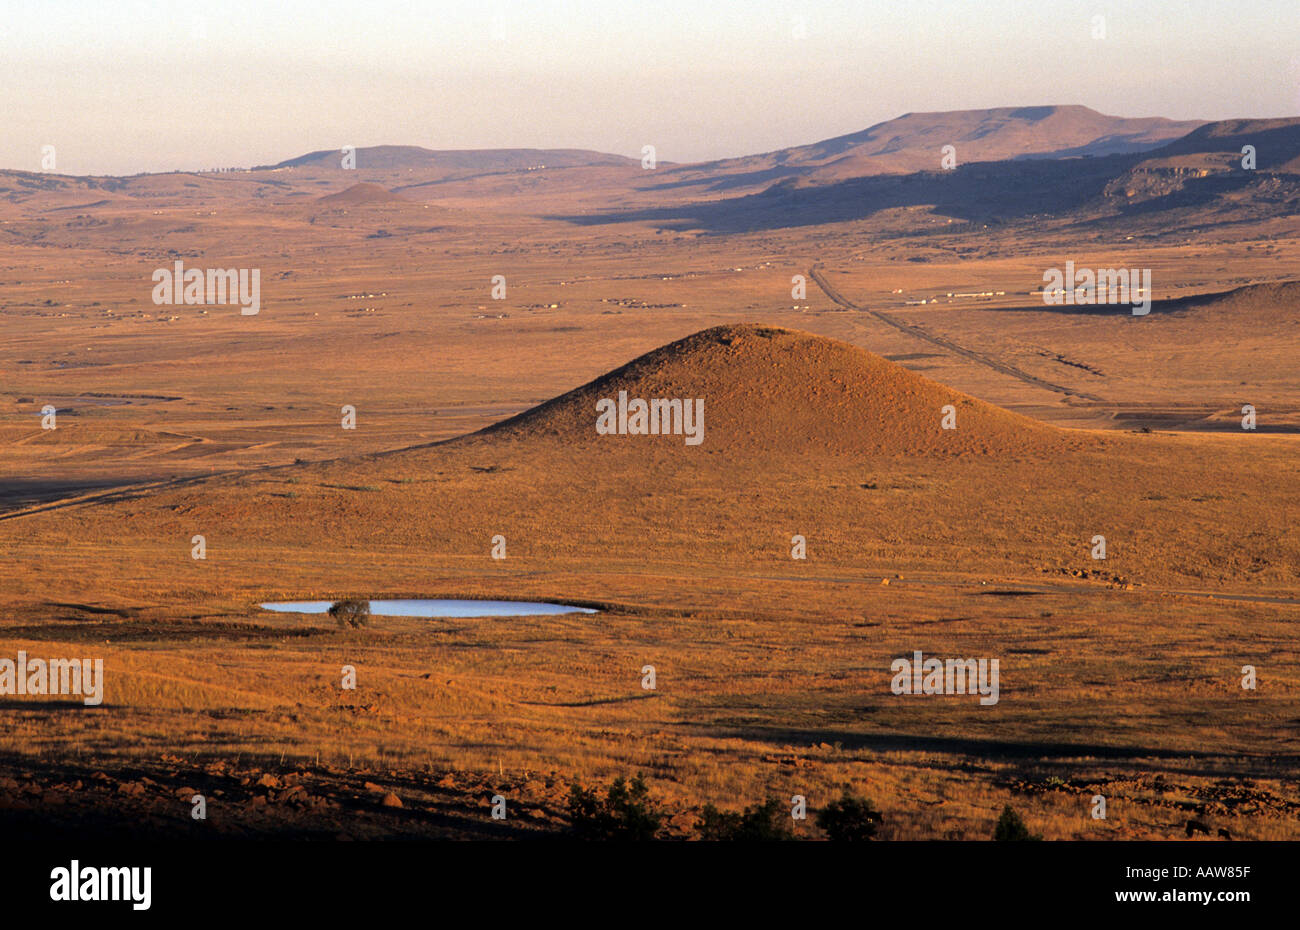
<point>850,819</point>
<point>1011,828</point>
<point>626,812</point>
<point>350,614</point>
<point>762,823</point>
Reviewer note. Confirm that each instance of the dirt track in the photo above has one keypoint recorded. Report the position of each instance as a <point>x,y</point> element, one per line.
<point>919,333</point>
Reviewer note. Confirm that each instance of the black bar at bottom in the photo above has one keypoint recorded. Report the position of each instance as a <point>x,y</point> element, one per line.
<point>334,880</point>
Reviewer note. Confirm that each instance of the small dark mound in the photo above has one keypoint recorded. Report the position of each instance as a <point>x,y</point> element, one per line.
<point>363,193</point>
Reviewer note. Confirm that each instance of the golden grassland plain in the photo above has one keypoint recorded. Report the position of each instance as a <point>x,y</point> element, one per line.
<point>1118,677</point>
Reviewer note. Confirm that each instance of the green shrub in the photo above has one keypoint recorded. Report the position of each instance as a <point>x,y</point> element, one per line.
<point>850,819</point>
<point>1011,828</point>
<point>763,822</point>
<point>350,613</point>
<point>625,813</point>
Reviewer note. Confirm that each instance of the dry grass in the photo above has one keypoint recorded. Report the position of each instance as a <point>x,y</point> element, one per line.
<point>773,675</point>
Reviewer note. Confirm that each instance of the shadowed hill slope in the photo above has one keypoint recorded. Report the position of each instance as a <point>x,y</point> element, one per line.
<point>1282,298</point>
<point>1276,143</point>
<point>1205,170</point>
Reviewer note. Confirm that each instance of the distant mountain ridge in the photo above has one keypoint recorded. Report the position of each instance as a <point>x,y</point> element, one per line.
<point>452,162</point>
<point>1004,132</point>
<point>1012,164</point>
<point>915,142</point>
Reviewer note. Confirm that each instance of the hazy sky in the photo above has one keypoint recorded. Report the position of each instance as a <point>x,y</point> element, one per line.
<point>120,86</point>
